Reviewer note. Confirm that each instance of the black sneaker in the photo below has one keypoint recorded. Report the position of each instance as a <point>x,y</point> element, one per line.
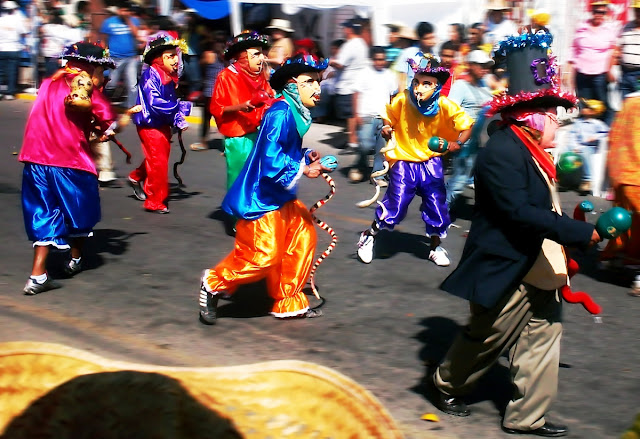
<point>33,287</point>
<point>137,189</point>
<point>208,307</point>
<point>72,267</point>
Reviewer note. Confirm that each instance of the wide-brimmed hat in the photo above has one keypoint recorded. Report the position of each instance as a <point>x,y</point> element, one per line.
<point>407,33</point>
<point>600,3</point>
<point>281,24</point>
<point>158,43</point>
<point>635,4</point>
<point>295,66</point>
<point>498,5</point>
<point>429,65</point>
<point>533,75</point>
<point>88,52</point>
<point>244,41</point>
<point>9,5</point>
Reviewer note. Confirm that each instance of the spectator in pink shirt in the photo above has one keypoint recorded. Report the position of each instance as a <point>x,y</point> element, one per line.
<point>591,56</point>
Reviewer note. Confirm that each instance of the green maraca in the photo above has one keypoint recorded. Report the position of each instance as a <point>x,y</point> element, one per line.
<point>613,223</point>
<point>569,169</point>
<point>438,144</point>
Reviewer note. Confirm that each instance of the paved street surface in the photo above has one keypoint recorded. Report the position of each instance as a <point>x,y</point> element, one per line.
<point>382,322</point>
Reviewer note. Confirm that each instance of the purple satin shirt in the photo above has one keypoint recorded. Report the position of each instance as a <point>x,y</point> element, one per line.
<point>160,106</point>
<point>57,136</point>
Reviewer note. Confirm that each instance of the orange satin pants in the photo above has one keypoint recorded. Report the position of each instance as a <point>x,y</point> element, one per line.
<point>278,247</point>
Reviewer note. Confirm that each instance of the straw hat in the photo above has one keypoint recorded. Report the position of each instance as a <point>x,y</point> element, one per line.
<point>407,33</point>
<point>635,4</point>
<point>498,5</point>
<point>281,24</point>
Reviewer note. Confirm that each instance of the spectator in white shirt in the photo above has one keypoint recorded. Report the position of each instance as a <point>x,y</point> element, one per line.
<point>374,90</point>
<point>352,58</point>
<point>13,28</point>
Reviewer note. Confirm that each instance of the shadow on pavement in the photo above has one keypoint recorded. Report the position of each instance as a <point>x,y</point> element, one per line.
<point>390,243</point>
<point>112,405</point>
<point>437,336</point>
<point>248,301</point>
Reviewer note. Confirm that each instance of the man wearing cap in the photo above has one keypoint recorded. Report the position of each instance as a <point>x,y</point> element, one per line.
<point>236,116</point>
<point>471,93</point>
<point>160,111</point>
<point>281,45</point>
<point>60,200</point>
<point>120,32</point>
<point>350,62</point>
<point>12,29</point>
<point>275,238</point>
<point>413,117</point>
<point>513,262</point>
<point>629,49</point>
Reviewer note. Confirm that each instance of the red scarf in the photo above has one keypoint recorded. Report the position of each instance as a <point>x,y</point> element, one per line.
<point>541,156</point>
<point>164,76</point>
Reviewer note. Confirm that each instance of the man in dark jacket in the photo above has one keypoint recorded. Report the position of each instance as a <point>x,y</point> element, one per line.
<point>513,262</point>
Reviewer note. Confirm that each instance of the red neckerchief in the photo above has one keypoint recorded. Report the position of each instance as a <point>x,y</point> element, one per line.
<point>543,158</point>
<point>254,79</point>
<point>165,77</point>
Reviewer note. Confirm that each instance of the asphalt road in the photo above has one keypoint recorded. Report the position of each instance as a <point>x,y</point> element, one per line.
<point>137,301</point>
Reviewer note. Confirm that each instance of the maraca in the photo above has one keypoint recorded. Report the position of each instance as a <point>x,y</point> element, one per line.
<point>438,144</point>
<point>581,209</point>
<point>569,169</point>
<point>613,223</point>
<point>329,161</point>
<point>259,98</point>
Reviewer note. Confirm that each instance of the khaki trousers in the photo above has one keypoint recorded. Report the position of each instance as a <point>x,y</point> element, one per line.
<point>528,323</point>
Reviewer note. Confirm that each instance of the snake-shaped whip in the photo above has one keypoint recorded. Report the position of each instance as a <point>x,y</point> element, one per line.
<point>391,144</point>
<point>330,162</point>
<point>181,161</point>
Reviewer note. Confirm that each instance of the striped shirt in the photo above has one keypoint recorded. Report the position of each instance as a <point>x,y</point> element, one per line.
<point>629,43</point>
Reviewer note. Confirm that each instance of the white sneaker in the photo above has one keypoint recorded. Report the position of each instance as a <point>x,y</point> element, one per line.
<point>365,248</point>
<point>439,257</point>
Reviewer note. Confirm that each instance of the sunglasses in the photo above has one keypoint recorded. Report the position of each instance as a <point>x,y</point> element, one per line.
<point>599,11</point>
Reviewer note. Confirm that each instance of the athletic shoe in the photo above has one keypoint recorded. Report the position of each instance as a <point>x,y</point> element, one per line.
<point>33,287</point>
<point>162,211</point>
<point>439,257</point>
<point>138,192</point>
<point>355,175</point>
<point>381,182</point>
<point>365,248</point>
<point>72,267</point>
<point>208,306</point>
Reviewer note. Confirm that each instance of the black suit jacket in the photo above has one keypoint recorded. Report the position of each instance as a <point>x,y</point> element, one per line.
<point>512,216</point>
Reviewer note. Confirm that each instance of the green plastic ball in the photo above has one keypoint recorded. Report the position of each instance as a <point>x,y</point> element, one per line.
<point>613,223</point>
<point>435,145</point>
<point>569,162</point>
<point>586,206</point>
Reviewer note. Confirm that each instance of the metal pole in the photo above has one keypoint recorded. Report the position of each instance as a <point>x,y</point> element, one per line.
<point>235,16</point>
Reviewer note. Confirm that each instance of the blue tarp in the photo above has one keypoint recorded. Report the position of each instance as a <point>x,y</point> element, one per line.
<point>210,9</point>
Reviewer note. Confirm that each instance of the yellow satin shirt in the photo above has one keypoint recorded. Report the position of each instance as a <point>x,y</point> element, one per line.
<point>413,130</point>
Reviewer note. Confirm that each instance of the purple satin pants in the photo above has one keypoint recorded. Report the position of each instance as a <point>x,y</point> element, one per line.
<point>408,179</point>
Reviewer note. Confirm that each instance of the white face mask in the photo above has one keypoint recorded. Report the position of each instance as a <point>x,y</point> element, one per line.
<point>309,89</point>
<point>423,87</point>
<point>255,59</point>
